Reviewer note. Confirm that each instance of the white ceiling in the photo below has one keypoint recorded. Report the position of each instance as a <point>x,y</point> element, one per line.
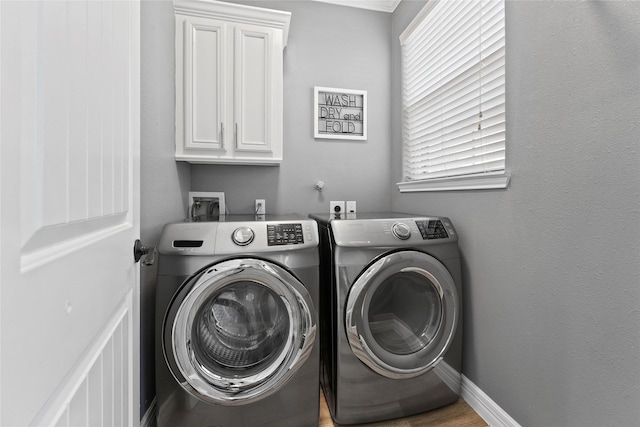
<point>380,5</point>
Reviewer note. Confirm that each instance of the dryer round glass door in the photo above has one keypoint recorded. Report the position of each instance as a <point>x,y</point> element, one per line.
<point>238,330</point>
<point>402,313</point>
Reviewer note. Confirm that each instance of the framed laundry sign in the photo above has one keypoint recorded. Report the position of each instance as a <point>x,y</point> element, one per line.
<point>339,113</point>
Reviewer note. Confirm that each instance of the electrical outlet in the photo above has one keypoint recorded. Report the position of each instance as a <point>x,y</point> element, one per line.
<point>351,206</point>
<point>261,208</point>
<point>336,207</point>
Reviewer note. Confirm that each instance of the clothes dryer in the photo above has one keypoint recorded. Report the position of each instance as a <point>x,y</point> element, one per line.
<point>236,323</point>
<point>391,333</point>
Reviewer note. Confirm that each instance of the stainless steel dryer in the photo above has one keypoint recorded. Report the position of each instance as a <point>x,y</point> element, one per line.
<point>236,322</point>
<point>390,321</point>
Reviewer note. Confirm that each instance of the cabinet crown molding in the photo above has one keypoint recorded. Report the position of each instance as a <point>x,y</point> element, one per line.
<point>278,19</point>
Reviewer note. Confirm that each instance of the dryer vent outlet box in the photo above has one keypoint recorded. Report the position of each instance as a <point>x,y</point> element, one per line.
<point>336,207</point>
<point>204,203</point>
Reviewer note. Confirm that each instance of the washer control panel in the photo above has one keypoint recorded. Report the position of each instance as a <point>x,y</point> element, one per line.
<point>238,237</point>
<point>432,229</point>
<point>284,234</point>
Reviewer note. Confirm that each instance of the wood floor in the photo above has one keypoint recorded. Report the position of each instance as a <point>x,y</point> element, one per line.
<point>458,414</point>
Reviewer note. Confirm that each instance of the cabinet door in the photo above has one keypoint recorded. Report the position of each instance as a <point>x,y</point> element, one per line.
<point>258,91</point>
<point>202,96</point>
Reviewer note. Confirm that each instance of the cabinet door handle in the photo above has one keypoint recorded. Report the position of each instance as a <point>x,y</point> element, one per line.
<point>221,134</point>
<point>235,134</point>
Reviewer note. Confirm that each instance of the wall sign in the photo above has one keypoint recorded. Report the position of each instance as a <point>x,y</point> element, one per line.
<point>339,113</point>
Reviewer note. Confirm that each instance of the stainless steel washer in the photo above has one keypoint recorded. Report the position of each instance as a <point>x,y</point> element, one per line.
<point>391,317</point>
<point>236,323</point>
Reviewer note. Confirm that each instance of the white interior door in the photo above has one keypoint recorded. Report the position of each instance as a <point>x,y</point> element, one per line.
<point>69,213</point>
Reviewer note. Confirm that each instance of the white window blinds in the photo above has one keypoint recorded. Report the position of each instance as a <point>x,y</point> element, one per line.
<point>453,74</point>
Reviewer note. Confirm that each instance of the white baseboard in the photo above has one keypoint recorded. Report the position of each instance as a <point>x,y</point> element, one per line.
<point>489,410</point>
<point>149,419</point>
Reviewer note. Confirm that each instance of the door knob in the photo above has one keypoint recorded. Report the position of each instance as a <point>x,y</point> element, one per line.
<point>140,250</point>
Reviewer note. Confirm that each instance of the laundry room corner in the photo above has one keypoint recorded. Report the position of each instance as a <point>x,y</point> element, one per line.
<point>335,54</point>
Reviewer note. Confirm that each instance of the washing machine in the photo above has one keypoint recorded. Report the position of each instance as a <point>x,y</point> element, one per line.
<point>236,323</point>
<point>391,335</point>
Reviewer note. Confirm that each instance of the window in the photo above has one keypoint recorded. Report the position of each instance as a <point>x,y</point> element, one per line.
<point>453,82</point>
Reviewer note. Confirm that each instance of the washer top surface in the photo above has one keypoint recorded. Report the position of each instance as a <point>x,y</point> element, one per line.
<point>247,218</point>
<point>388,229</point>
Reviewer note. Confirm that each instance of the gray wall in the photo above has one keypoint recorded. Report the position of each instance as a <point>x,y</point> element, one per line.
<point>332,46</point>
<point>552,264</point>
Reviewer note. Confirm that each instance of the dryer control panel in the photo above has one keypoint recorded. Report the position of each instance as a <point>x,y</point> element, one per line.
<point>393,231</point>
<point>432,229</point>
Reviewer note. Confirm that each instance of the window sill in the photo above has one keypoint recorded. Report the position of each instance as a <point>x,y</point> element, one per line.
<point>478,182</point>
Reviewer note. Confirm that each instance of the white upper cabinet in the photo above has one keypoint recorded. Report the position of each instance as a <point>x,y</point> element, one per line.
<point>229,82</point>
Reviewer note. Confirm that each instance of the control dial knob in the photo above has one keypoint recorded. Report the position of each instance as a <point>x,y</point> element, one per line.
<point>401,230</point>
<point>242,236</point>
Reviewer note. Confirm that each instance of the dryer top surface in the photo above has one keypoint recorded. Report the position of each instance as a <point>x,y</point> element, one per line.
<point>329,217</point>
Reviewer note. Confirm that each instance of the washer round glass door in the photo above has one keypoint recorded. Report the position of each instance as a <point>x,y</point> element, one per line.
<point>401,314</point>
<point>238,330</point>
